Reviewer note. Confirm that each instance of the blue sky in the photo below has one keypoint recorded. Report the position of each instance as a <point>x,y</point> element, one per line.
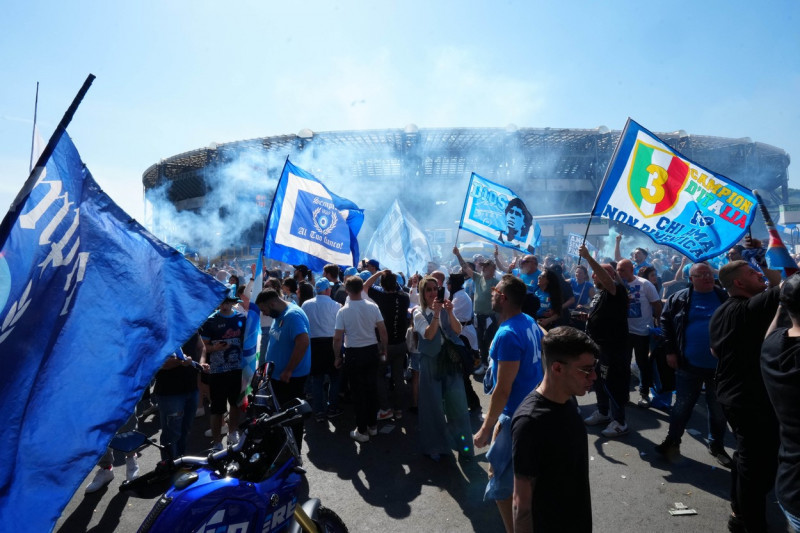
<point>175,76</point>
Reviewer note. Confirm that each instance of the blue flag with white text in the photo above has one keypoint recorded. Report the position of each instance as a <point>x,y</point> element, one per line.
<point>309,225</point>
<point>670,198</point>
<point>399,244</point>
<point>497,214</point>
<point>92,306</point>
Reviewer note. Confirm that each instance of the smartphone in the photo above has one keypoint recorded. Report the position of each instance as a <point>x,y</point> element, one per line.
<point>440,294</point>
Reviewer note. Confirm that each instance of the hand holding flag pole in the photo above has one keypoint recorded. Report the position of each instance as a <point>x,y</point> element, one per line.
<point>778,257</point>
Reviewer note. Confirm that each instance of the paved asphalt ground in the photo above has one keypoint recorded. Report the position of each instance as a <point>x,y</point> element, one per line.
<point>387,485</point>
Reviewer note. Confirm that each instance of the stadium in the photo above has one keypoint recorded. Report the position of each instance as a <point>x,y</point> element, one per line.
<point>557,171</point>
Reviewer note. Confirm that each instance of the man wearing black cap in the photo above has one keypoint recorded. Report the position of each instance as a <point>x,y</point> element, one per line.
<point>780,367</point>
<point>737,330</point>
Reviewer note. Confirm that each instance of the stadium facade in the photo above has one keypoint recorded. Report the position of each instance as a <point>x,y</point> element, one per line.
<point>556,171</point>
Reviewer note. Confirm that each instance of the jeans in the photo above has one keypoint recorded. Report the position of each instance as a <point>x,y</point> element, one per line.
<point>322,402</point>
<point>688,384</point>
<point>176,413</point>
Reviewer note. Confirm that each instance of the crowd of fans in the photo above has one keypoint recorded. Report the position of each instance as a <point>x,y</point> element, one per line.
<point>396,343</point>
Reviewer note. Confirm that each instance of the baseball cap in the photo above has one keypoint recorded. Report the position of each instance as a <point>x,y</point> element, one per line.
<point>322,285</point>
<point>364,275</point>
<point>350,271</point>
<point>374,262</point>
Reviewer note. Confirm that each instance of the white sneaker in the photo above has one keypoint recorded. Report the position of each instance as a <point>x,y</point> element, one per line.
<point>131,468</point>
<point>217,447</point>
<point>102,477</point>
<point>385,414</point>
<point>596,418</point>
<point>201,411</point>
<point>615,429</point>
<point>358,437</point>
<point>372,431</point>
<point>233,438</point>
<point>223,431</point>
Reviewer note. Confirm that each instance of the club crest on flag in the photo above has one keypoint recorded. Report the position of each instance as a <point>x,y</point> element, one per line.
<point>324,220</point>
<point>656,179</point>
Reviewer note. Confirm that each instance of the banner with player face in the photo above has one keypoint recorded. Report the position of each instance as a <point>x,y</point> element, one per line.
<point>495,213</point>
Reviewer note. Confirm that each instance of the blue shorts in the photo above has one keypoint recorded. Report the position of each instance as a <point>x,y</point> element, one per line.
<point>501,484</point>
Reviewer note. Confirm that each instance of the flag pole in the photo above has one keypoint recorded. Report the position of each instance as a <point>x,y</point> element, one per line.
<point>33,131</point>
<point>12,214</point>
<point>603,183</point>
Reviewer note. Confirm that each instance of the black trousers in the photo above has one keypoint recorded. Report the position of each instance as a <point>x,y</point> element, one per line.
<point>286,392</point>
<point>755,462</point>
<point>485,334</point>
<point>640,345</point>
<point>361,367</point>
<point>613,380</point>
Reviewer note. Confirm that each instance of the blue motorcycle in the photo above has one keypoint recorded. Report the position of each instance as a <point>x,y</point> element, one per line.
<point>250,487</point>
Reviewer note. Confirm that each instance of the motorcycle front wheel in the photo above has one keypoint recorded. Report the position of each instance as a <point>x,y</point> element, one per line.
<point>329,522</point>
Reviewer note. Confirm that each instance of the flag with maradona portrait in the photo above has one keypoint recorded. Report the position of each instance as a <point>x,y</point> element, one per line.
<point>497,214</point>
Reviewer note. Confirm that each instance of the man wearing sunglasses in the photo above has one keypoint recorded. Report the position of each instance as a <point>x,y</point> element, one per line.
<point>550,447</point>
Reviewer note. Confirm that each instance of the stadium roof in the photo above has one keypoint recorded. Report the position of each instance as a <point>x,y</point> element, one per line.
<point>546,159</point>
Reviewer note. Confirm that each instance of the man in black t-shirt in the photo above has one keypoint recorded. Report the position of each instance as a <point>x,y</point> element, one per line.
<point>550,448</point>
<point>394,304</point>
<point>780,366</point>
<point>737,330</point>
<point>607,325</point>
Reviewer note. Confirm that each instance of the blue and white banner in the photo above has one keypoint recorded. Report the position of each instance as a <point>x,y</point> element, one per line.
<point>92,305</point>
<point>309,225</point>
<point>495,213</point>
<point>672,199</point>
<point>399,243</point>
<point>574,242</point>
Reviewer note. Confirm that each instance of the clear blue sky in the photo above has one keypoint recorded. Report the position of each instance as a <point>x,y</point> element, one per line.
<point>176,75</point>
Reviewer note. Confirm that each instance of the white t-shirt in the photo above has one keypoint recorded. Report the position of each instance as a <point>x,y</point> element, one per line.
<point>640,311</point>
<point>358,319</point>
<point>462,309</point>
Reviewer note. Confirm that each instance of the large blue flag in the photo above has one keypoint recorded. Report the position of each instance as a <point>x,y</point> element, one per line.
<point>497,214</point>
<point>92,305</point>
<point>399,243</point>
<point>672,199</point>
<point>309,225</point>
